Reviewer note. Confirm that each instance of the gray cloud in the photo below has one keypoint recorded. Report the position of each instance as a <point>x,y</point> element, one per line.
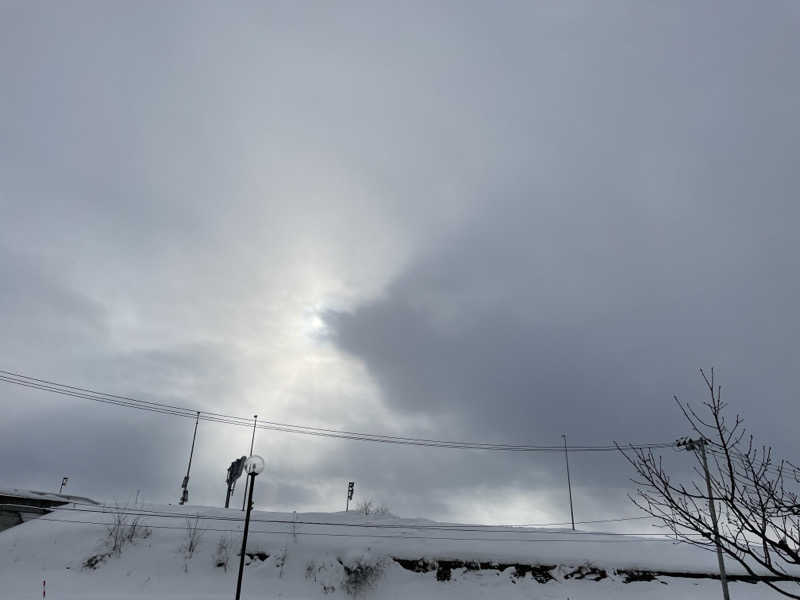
<point>34,301</point>
<point>462,221</point>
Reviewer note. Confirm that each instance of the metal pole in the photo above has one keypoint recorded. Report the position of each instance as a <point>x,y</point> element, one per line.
<point>569,482</point>
<point>723,578</point>
<point>185,495</point>
<point>252,440</point>
<point>252,478</point>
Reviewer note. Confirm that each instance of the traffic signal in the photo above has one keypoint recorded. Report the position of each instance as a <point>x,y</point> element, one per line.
<point>350,486</point>
<point>235,470</point>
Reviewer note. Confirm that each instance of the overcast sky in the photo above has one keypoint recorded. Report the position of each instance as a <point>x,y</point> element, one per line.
<point>485,221</point>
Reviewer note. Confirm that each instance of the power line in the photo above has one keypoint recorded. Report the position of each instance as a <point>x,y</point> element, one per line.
<point>383,536</point>
<point>105,509</point>
<point>215,417</point>
<point>161,513</point>
<point>617,520</point>
<point>489,529</point>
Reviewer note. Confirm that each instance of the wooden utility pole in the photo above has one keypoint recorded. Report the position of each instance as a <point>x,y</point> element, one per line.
<point>700,445</point>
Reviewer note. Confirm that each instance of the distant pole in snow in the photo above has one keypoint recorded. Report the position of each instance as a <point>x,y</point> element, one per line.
<point>252,441</point>
<point>44,588</point>
<point>185,486</point>
<point>569,482</point>
<point>64,481</point>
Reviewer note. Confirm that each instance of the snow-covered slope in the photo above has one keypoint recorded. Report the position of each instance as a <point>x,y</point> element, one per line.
<point>336,556</point>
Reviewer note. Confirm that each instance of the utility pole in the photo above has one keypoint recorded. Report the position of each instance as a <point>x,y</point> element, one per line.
<point>64,481</point>
<point>252,441</point>
<point>700,444</point>
<point>569,482</point>
<point>185,486</point>
<point>253,466</point>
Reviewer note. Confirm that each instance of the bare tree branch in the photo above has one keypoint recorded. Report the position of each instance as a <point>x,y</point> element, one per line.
<point>757,501</point>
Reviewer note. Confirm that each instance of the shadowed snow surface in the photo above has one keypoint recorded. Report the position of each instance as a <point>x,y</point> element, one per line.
<point>335,555</point>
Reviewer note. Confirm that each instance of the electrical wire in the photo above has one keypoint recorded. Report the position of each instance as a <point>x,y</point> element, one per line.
<point>147,512</point>
<point>215,417</point>
<point>617,520</point>
<point>489,529</point>
<point>381,536</point>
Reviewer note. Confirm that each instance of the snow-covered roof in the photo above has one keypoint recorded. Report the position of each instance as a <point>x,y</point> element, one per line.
<point>46,496</point>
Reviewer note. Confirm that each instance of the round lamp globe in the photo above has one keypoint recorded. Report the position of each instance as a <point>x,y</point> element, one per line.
<point>254,465</point>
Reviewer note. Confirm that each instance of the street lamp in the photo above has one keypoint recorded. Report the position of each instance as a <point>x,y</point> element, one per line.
<point>252,466</point>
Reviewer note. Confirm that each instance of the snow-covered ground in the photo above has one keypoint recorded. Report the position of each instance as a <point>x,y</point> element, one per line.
<point>337,555</point>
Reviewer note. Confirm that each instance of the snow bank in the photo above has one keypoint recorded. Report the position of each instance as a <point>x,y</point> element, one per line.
<point>334,555</point>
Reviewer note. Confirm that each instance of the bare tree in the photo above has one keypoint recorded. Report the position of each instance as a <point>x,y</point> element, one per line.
<point>366,507</point>
<point>222,555</point>
<point>193,535</point>
<point>370,507</point>
<point>125,528</point>
<point>755,495</point>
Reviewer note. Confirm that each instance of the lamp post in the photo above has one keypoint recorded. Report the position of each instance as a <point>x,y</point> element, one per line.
<point>253,466</point>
